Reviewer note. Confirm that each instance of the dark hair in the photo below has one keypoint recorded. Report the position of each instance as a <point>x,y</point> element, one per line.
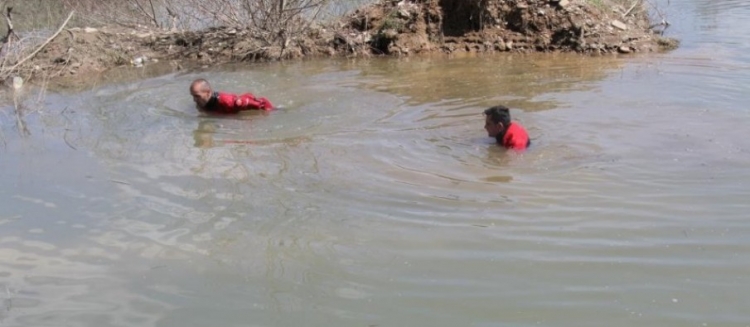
<point>499,114</point>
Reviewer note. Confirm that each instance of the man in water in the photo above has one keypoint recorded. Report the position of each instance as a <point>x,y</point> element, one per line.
<point>211,101</point>
<point>508,133</point>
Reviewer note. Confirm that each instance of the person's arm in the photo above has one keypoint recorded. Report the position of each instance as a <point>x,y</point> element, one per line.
<point>248,101</point>
<point>227,103</point>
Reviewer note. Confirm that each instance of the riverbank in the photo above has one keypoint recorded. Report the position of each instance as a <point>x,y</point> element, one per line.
<point>388,27</point>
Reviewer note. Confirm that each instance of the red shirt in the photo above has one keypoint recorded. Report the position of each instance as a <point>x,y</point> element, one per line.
<point>228,103</point>
<point>515,137</point>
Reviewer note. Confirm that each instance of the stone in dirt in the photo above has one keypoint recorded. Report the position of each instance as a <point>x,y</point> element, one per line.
<point>619,25</point>
<point>17,83</point>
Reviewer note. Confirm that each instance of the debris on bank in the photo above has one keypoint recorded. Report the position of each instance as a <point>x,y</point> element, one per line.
<point>583,26</point>
<point>388,27</point>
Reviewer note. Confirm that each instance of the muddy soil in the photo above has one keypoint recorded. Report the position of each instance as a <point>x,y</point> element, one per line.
<point>584,26</point>
<point>389,27</point>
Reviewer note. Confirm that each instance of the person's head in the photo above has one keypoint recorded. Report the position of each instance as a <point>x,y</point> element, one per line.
<point>496,120</point>
<point>201,92</point>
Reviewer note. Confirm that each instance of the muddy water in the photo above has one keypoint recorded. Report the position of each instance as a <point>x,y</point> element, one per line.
<point>374,198</point>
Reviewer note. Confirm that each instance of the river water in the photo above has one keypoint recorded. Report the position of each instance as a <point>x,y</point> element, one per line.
<point>374,197</point>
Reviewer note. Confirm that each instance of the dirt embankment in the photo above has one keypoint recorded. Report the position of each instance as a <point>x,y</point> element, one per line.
<point>390,27</point>
<point>585,26</point>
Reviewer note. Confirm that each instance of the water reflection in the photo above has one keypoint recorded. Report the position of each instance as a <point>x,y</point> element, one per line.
<point>119,75</point>
<point>209,134</point>
<point>204,134</point>
<point>486,80</point>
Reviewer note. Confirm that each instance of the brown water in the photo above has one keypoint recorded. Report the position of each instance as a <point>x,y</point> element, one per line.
<point>374,198</point>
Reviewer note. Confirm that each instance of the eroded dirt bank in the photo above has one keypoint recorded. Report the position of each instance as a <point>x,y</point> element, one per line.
<point>389,27</point>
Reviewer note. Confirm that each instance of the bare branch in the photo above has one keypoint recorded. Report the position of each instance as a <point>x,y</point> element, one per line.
<point>635,3</point>
<point>43,44</point>
<point>153,13</point>
<point>11,35</point>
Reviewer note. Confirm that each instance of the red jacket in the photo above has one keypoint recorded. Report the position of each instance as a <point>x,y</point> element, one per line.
<point>228,103</point>
<point>515,137</point>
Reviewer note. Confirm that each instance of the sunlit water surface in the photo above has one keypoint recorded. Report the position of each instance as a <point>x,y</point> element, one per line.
<point>374,197</point>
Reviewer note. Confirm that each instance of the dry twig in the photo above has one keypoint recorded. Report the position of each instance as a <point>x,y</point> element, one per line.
<point>661,15</point>
<point>635,3</point>
<point>11,35</point>
<point>19,63</point>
